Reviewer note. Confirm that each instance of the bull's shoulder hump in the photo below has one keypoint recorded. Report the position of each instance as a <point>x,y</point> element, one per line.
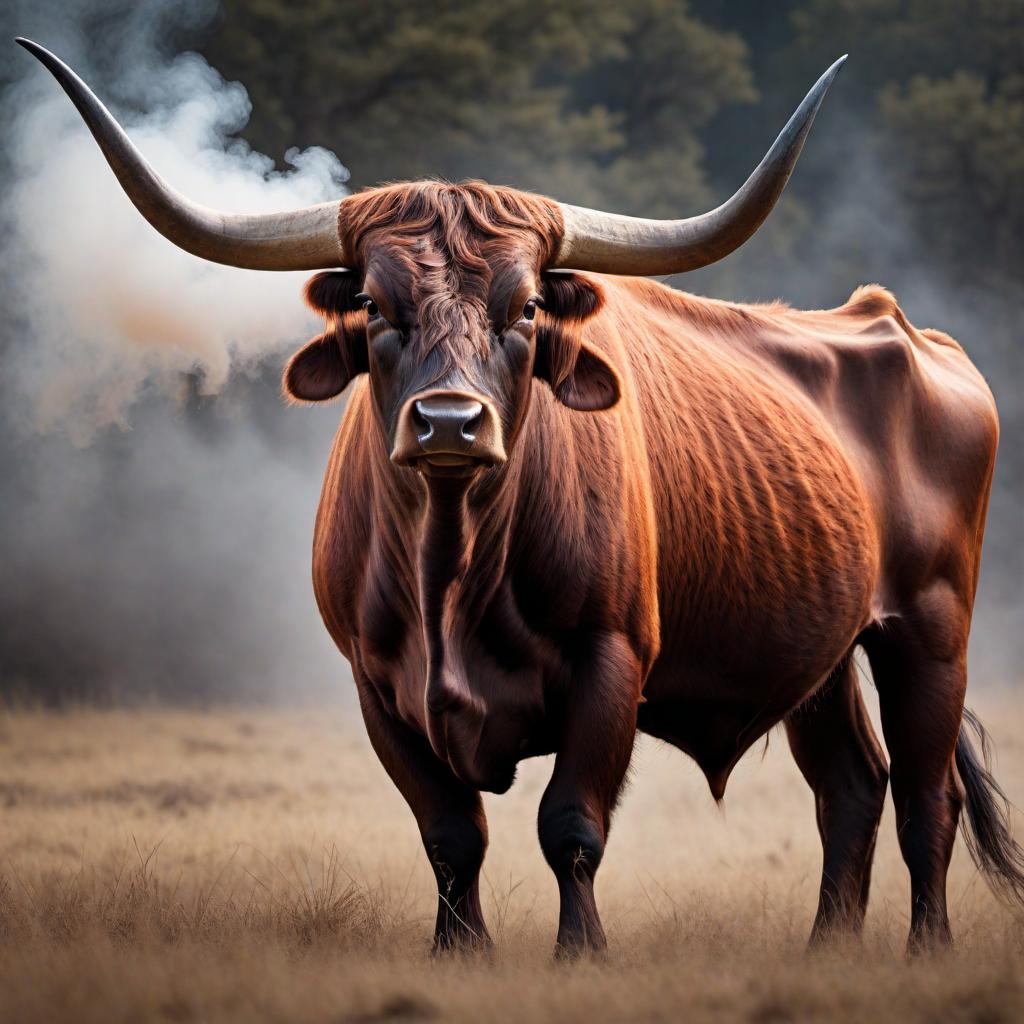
<point>870,344</point>
<point>903,393</point>
<point>937,367</point>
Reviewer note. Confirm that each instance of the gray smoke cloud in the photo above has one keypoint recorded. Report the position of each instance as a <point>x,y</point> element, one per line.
<point>156,540</point>
<point>158,498</point>
<point>113,309</point>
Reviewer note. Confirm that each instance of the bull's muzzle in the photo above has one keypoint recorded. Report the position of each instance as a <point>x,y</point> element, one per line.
<point>448,431</point>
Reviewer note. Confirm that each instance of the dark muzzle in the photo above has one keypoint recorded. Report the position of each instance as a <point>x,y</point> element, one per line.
<point>448,429</point>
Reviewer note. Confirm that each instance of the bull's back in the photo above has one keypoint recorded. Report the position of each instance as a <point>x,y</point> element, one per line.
<point>790,456</point>
<point>767,556</point>
<point>917,421</point>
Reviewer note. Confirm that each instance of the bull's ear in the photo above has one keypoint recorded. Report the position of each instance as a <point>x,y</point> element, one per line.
<point>591,386</point>
<point>578,374</point>
<point>324,368</point>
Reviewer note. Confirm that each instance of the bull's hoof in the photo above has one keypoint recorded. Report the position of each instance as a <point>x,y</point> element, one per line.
<point>572,951</point>
<point>932,942</point>
<point>462,945</point>
<point>835,935</point>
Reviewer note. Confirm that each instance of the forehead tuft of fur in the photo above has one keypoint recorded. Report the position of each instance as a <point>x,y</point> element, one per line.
<point>470,214</point>
<point>455,252</point>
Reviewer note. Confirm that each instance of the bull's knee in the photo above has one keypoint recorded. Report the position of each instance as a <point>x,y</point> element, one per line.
<point>456,849</point>
<point>873,790</point>
<point>572,842</point>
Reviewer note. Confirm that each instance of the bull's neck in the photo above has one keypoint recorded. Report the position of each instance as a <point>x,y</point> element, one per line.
<point>446,549</point>
<point>463,547</point>
<point>457,536</point>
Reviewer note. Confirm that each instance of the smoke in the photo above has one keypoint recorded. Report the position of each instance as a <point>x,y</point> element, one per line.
<point>156,539</point>
<point>112,308</point>
<point>158,499</point>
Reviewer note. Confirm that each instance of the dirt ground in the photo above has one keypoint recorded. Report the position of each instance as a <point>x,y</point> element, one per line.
<point>257,865</point>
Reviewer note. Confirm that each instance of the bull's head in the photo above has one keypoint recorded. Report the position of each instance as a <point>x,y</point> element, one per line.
<point>451,297</point>
<point>449,310</point>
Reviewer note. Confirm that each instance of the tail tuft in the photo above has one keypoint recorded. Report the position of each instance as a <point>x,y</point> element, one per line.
<point>986,825</point>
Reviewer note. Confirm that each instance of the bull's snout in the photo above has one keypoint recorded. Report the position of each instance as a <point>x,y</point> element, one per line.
<point>451,429</point>
<point>446,423</point>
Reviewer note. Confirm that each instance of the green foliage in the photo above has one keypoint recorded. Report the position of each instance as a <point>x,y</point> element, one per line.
<point>584,100</point>
<point>965,167</point>
<point>897,38</point>
<point>945,79</point>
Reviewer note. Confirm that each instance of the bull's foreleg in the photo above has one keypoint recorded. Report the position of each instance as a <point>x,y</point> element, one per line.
<point>451,820</point>
<point>575,812</point>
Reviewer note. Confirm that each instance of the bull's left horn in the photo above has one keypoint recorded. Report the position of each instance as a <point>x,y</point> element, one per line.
<point>611,243</point>
<point>297,240</point>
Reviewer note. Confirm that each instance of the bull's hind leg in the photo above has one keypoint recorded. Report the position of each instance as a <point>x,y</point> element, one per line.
<point>919,665</point>
<point>837,751</point>
<point>451,819</point>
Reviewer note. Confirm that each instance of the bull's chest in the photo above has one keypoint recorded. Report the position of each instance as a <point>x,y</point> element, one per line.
<point>483,679</point>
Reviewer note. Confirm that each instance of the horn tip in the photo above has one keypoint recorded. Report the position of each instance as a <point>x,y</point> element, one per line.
<point>836,65</point>
<point>826,80</point>
<point>33,47</point>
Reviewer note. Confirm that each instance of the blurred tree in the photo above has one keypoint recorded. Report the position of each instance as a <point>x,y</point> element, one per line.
<point>946,78</point>
<point>964,167</point>
<point>585,100</point>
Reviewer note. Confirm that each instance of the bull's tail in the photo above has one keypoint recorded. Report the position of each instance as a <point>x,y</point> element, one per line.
<point>986,825</point>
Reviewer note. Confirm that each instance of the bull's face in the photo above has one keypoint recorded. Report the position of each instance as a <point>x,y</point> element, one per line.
<point>453,325</point>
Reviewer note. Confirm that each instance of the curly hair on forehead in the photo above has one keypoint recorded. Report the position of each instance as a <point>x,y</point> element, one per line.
<point>454,243</point>
<point>462,217</point>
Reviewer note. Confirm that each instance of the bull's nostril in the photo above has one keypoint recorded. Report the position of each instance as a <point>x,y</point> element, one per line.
<point>424,428</point>
<point>445,424</point>
<point>472,422</point>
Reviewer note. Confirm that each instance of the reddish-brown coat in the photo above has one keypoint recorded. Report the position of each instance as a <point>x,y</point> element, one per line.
<point>773,487</point>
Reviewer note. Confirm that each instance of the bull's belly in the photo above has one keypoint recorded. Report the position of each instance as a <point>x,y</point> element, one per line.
<point>715,734</point>
<point>715,709</point>
<point>757,607</point>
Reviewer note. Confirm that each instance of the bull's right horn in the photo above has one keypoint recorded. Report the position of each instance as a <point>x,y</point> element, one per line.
<point>611,243</point>
<point>297,240</point>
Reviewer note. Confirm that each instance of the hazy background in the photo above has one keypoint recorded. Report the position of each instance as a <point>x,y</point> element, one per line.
<point>157,496</point>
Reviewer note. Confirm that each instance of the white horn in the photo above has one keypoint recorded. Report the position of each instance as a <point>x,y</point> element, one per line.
<point>296,240</point>
<point>611,243</point>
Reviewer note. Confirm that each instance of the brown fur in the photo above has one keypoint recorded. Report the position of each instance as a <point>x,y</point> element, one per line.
<point>767,489</point>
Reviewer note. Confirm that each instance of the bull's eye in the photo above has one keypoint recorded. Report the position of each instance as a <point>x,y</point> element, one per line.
<point>369,305</point>
<point>530,309</point>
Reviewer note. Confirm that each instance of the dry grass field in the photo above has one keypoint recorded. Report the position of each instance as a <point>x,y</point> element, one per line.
<point>257,865</point>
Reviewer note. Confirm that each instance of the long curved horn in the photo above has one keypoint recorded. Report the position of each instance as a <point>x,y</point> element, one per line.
<point>297,240</point>
<point>611,243</point>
